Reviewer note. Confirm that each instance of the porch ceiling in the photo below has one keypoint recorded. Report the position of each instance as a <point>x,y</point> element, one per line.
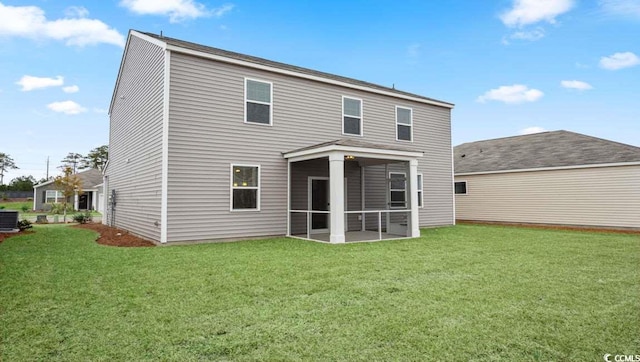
<point>355,148</point>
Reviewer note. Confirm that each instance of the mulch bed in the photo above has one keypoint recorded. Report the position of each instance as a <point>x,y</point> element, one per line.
<point>108,236</point>
<point>553,227</point>
<point>115,237</point>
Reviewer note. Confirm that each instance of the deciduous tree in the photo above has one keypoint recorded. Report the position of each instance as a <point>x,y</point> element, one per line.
<point>69,184</point>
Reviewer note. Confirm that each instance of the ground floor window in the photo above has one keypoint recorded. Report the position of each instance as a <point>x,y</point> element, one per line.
<point>420,198</point>
<point>53,196</point>
<point>245,187</point>
<point>461,187</point>
<point>397,190</point>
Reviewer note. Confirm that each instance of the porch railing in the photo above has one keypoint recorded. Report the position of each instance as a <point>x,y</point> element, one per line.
<point>363,214</point>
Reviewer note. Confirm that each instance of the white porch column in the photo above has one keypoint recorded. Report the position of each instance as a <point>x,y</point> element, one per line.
<point>414,223</point>
<point>75,201</point>
<point>336,197</point>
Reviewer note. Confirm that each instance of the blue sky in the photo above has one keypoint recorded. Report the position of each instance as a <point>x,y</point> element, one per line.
<point>510,66</point>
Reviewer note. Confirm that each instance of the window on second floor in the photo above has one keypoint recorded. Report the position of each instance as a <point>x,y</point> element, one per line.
<point>404,124</point>
<point>258,102</point>
<point>352,116</point>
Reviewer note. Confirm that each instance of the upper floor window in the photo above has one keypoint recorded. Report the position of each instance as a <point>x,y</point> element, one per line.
<point>461,187</point>
<point>258,102</point>
<point>352,116</point>
<point>404,124</point>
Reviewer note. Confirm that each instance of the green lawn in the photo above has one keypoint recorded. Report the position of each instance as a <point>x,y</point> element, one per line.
<point>17,206</point>
<point>458,293</point>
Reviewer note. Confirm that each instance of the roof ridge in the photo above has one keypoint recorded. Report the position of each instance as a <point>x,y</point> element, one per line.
<point>294,68</point>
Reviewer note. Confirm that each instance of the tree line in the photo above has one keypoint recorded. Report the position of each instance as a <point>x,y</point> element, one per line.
<point>96,158</point>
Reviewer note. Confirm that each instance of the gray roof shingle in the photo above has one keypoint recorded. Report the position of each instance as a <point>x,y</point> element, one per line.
<point>540,150</point>
<point>270,63</point>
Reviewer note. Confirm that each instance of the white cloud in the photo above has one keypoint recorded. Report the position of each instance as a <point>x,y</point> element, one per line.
<point>576,84</point>
<point>29,83</point>
<point>526,12</point>
<point>222,10</point>
<point>71,89</point>
<point>30,22</point>
<point>624,8</point>
<point>619,61</point>
<point>531,35</point>
<point>177,10</point>
<point>76,12</point>
<point>531,130</point>
<point>66,107</point>
<point>516,93</point>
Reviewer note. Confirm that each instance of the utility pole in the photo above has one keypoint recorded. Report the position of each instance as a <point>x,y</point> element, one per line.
<point>47,167</point>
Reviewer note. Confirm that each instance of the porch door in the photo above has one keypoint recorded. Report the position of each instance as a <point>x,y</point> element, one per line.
<point>84,202</point>
<point>319,201</point>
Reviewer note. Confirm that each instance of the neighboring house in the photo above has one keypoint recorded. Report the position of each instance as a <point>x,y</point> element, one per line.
<point>207,144</point>
<point>555,177</point>
<point>91,198</point>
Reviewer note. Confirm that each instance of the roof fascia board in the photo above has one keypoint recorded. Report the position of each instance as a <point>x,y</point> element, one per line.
<point>302,75</point>
<point>600,165</point>
<point>161,44</point>
<point>354,151</point>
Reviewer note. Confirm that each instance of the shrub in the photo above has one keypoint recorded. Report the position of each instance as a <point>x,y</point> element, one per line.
<point>58,208</point>
<point>24,208</point>
<point>83,218</point>
<point>1,207</point>
<point>24,224</point>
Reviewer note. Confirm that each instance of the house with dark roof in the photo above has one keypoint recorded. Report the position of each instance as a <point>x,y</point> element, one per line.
<point>208,144</point>
<point>557,177</point>
<point>90,198</point>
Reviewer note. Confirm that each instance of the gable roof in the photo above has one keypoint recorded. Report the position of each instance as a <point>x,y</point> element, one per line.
<point>540,150</point>
<point>185,46</point>
<point>90,178</point>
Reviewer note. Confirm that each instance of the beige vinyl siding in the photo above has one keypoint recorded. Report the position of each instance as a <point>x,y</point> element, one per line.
<point>207,133</point>
<point>135,140</point>
<point>603,196</point>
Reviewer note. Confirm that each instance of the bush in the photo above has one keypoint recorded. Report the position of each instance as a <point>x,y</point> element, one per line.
<point>58,208</point>
<point>83,218</point>
<point>24,224</point>
<point>24,208</point>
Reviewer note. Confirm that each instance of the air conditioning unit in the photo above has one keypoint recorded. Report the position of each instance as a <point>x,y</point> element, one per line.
<point>8,220</point>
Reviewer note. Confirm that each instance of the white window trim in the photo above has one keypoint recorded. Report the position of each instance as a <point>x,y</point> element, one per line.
<point>404,174</point>
<point>410,125</point>
<point>420,187</point>
<point>346,115</point>
<point>231,187</point>
<point>270,104</point>
<point>58,195</point>
<point>466,187</point>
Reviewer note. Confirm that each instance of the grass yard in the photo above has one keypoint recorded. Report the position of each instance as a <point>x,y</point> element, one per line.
<point>459,293</point>
<point>18,206</point>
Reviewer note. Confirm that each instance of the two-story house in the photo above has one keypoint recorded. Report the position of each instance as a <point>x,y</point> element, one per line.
<point>207,144</point>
